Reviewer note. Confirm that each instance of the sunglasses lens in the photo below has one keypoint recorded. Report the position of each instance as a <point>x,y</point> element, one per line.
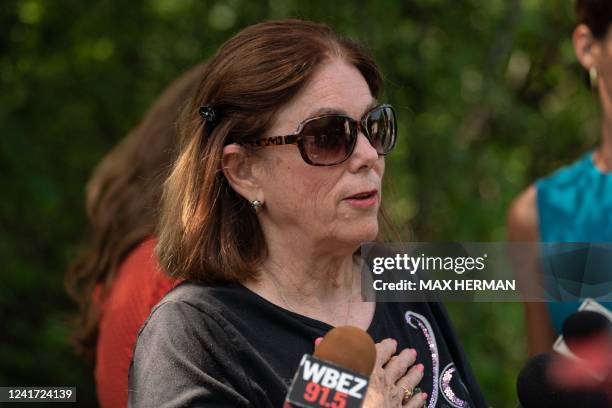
<point>327,140</point>
<point>380,124</point>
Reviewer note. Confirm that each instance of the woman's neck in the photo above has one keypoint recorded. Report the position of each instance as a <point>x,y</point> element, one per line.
<point>311,284</point>
<point>603,154</point>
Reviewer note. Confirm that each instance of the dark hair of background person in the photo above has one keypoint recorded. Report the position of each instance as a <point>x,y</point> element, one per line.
<point>595,14</point>
<point>208,232</point>
<point>122,202</point>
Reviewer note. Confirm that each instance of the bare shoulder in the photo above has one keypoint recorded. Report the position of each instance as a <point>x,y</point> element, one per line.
<point>522,217</point>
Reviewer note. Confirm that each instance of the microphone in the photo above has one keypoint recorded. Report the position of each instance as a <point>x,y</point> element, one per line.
<point>586,344</point>
<point>337,374</point>
<point>577,373</point>
<point>536,389</point>
<point>350,347</point>
<point>585,330</point>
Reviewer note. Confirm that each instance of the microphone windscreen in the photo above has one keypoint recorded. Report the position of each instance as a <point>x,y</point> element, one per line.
<point>583,326</point>
<point>348,347</point>
<point>532,385</point>
<point>536,390</point>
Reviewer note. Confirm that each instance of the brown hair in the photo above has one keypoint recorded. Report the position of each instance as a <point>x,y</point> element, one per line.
<point>595,14</point>
<point>207,231</point>
<point>122,200</point>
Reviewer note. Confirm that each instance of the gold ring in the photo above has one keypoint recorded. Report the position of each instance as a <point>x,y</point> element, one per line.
<point>407,392</point>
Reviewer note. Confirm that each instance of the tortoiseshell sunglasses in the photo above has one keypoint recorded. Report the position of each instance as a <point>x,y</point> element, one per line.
<point>330,139</point>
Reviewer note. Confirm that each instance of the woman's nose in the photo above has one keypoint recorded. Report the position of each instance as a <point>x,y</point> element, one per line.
<point>364,153</point>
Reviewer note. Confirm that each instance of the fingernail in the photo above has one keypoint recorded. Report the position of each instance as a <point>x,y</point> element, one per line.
<point>318,340</point>
<point>420,367</point>
<point>423,396</point>
<point>413,351</point>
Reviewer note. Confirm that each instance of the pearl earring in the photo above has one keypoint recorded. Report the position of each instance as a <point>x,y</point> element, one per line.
<point>256,204</point>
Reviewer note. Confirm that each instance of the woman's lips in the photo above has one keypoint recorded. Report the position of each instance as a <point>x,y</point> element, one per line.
<point>363,200</point>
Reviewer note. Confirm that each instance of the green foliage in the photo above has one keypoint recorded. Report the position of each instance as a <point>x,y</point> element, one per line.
<point>489,98</point>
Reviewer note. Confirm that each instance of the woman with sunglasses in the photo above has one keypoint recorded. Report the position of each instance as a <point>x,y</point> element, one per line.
<point>277,184</point>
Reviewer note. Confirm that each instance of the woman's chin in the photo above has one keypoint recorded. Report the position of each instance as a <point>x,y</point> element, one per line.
<point>359,233</point>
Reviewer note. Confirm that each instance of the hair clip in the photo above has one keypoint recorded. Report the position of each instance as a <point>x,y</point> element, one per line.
<point>208,113</point>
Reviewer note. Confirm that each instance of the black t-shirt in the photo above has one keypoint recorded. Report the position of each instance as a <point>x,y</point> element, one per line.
<point>225,346</point>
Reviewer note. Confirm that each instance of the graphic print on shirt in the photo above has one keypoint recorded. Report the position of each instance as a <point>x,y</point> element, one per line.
<point>447,381</point>
<point>419,322</point>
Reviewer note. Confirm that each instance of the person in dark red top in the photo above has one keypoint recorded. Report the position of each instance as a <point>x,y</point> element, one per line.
<point>116,280</point>
<point>138,286</point>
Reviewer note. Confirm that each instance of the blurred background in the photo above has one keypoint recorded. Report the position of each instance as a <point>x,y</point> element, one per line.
<point>489,97</point>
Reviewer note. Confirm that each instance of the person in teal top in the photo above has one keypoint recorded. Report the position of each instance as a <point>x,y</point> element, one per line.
<point>574,204</point>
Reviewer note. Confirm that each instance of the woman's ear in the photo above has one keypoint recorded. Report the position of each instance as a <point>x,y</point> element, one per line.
<point>239,169</point>
<point>586,46</point>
